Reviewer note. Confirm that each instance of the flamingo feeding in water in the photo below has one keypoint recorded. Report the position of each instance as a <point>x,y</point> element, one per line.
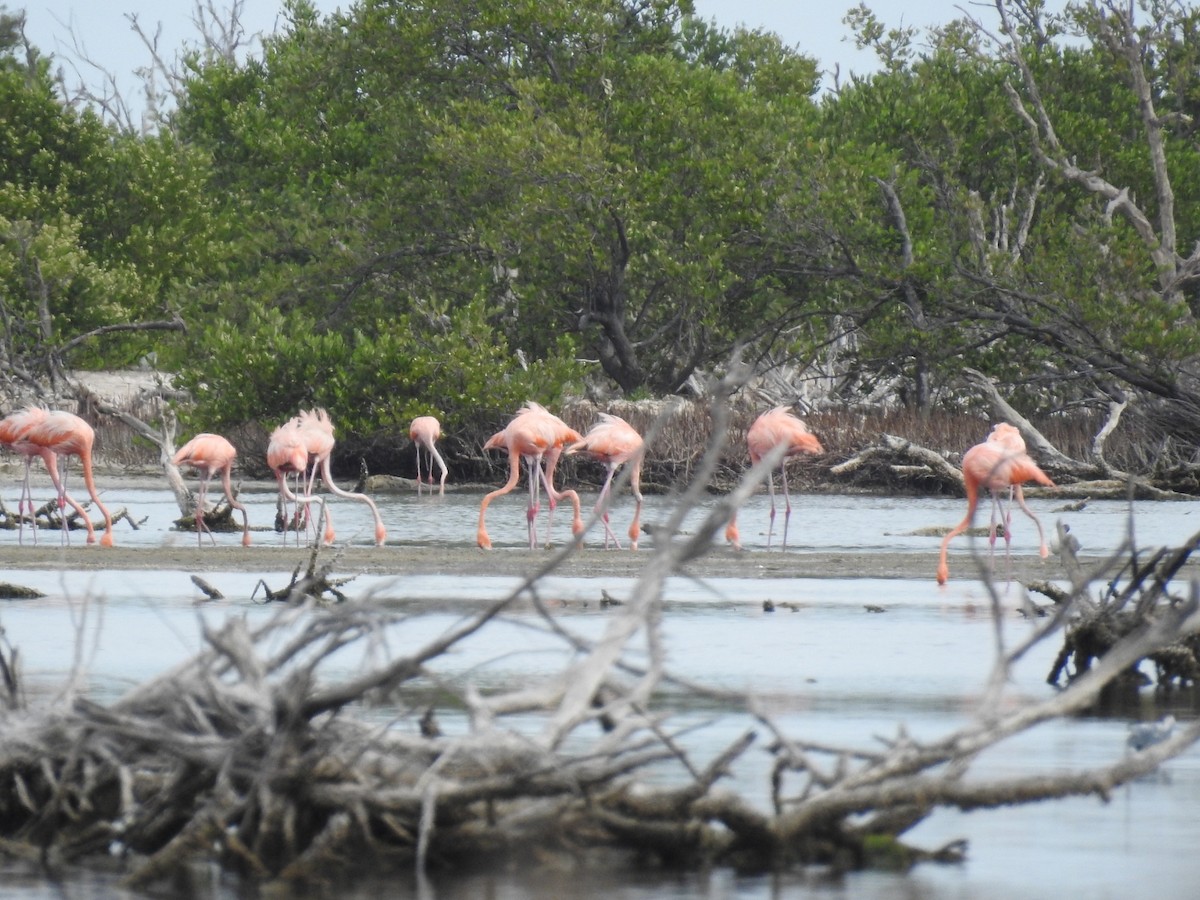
<point>537,436</point>
<point>614,442</point>
<point>209,454</point>
<point>287,454</point>
<point>65,434</point>
<point>316,429</point>
<point>999,462</point>
<point>424,432</point>
<point>13,429</point>
<point>775,428</point>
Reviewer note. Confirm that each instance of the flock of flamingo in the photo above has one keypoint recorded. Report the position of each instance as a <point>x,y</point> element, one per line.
<point>300,450</point>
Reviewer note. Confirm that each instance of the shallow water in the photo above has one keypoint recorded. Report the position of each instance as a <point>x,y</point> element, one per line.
<point>836,522</point>
<point>823,666</point>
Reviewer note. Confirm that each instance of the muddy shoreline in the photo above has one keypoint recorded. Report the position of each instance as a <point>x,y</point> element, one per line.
<point>270,558</point>
<point>273,561</point>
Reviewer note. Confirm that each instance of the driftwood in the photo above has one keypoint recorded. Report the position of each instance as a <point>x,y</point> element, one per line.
<point>219,518</point>
<point>254,754</point>
<point>207,589</point>
<point>907,463</point>
<point>1135,599</point>
<point>313,585</point>
<point>48,518</point>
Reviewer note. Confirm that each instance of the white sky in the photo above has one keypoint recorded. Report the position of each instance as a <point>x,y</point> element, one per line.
<point>815,28</point>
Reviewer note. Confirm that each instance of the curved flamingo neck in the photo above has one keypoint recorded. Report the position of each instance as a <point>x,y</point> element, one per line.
<point>380,531</point>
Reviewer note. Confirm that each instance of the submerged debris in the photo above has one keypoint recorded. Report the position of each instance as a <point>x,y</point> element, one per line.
<point>207,589</point>
<point>9,591</point>
<point>1147,734</point>
<point>314,584</point>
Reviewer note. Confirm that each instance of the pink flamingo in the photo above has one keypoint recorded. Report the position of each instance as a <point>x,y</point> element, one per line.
<point>614,442</point>
<point>776,428</point>
<point>65,434</point>
<point>424,432</point>
<point>562,435</point>
<point>287,454</point>
<point>532,435</point>
<point>13,428</point>
<point>999,462</point>
<point>209,454</point>
<point>317,432</point>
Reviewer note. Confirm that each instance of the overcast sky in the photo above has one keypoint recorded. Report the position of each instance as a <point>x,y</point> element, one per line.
<point>815,28</point>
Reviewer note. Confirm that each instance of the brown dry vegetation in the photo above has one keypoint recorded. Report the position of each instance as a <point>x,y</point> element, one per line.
<point>681,430</point>
<point>678,431</point>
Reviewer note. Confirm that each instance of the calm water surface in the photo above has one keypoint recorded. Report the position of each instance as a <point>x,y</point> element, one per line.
<point>821,664</point>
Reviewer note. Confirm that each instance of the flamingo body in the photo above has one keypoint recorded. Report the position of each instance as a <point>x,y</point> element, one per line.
<point>212,454</point>
<point>537,436</point>
<point>14,429</point>
<point>614,442</point>
<point>424,432</point>
<point>287,454</point>
<point>778,427</point>
<point>999,463</point>
<point>65,434</point>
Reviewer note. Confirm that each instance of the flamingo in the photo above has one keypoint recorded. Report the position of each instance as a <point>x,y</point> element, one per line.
<point>287,454</point>
<point>424,432</point>
<point>317,431</point>
<point>209,454</point>
<point>62,433</point>
<point>562,435</point>
<point>13,428</point>
<point>534,434</point>
<point>614,442</point>
<point>999,462</point>
<point>775,428</point>
<point>1009,437</point>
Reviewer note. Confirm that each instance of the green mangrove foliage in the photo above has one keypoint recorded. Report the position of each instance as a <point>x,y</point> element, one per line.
<point>454,206</point>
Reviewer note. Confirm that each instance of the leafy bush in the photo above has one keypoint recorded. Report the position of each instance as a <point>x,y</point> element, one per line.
<point>373,384</point>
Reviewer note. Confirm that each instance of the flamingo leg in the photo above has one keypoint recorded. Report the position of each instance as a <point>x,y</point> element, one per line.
<point>943,572</point>
<point>236,504</point>
<point>732,535</point>
<point>536,476</point>
<point>1007,519</point>
<point>322,516</point>
<point>992,526</point>
<point>635,485</point>
<point>304,489</point>
<point>292,513</point>
<point>602,509</point>
<point>1000,514</point>
<point>65,499</point>
<point>201,525</point>
<point>787,503</point>
<point>26,501</point>
<point>556,495</point>
<point>550,464</point>
<point>514,474</point>
<point>1043,550</point>
<point>771,525</point>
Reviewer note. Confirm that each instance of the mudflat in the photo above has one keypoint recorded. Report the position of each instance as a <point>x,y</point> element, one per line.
<point>268,556</point>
